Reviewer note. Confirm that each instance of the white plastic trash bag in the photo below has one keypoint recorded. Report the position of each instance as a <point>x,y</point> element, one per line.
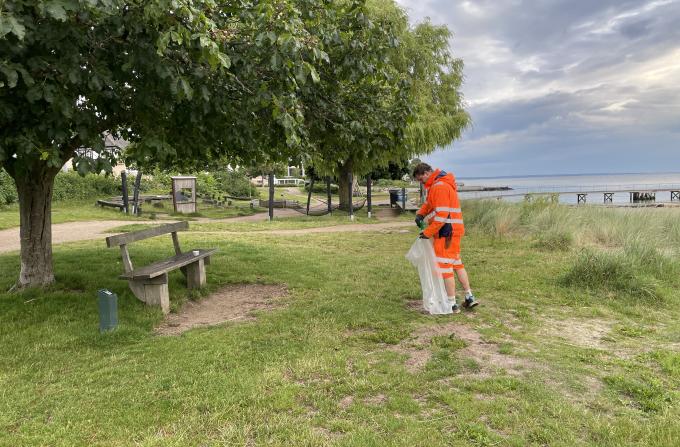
<point>435,298</point>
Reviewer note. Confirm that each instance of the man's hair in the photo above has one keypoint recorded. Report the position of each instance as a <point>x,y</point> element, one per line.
<point>420,169</point>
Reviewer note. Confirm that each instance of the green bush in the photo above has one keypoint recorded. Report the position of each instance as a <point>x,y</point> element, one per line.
<point>215,185</point>
<point>235,184</point>
<point>8,192</point>
<point>72,186</point>
<point>387,183</point>
<point>67,186</point>
<point>320,188</point>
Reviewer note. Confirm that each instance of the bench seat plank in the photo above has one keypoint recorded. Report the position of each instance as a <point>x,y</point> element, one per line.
<point>167,265</point>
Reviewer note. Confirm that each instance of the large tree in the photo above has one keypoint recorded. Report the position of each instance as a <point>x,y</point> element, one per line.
<point>391,92</point>
<point>179,79</point>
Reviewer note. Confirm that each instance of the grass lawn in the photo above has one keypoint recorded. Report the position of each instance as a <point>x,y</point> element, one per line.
<point>349,361</point>
<point>66,212</point>
<point>86,210</point>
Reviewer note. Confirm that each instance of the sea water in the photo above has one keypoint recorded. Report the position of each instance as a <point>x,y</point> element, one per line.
<point>593,184</point>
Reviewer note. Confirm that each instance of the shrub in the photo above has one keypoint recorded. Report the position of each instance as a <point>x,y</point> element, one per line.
<point>236,184</point>
<point>387,183</point>
<point>72,186</point>
<point>8,191</point>
<point>320,188</point>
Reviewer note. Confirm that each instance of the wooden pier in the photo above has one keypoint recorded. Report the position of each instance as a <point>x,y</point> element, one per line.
<point>636,193</point>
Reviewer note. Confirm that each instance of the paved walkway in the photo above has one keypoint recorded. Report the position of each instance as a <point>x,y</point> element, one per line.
<point>98,230</point>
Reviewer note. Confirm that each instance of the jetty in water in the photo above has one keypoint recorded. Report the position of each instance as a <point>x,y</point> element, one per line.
<point>636,193</point>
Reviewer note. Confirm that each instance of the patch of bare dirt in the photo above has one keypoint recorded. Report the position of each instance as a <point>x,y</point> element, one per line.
<point>583,333</point>
<point>346,402</point>
<point>232,303</point>
<point>485,354</point>
<point>376,400</point>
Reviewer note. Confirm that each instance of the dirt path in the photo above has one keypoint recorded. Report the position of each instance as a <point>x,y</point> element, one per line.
<point>348,228</point>
<point>258,217</point>
<point>64,232</point>
<point>97,230</point>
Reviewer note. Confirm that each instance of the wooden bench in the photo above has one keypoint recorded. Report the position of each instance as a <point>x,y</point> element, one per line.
<point>150,283</point>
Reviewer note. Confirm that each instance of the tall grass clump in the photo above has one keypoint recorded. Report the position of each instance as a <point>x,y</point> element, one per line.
<point>494,218</point>
<point>649,259</point>
<point>610,271</point>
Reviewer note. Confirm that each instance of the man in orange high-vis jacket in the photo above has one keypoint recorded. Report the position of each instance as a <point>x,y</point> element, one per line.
<point>441,211</point>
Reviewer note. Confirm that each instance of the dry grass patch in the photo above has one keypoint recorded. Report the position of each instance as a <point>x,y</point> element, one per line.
<point>582,333</point>
<point>485,354</point>
<point>232,303</point>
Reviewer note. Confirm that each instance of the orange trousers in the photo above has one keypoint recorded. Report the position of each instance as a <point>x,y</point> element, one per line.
<point>448,258</point>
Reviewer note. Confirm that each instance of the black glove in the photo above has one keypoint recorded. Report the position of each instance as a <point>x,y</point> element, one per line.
<point>419,219</point>
<point>422,236</point>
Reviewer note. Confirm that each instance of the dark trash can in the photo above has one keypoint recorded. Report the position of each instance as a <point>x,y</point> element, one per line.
<point>397,196</point>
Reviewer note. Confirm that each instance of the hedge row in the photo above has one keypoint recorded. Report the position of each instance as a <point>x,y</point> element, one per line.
<point>71,186</point>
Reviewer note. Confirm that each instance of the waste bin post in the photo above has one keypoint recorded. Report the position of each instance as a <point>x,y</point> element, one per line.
<point>108,310</point>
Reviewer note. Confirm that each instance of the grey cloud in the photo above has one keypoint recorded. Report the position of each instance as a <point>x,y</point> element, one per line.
<point>545,78</point>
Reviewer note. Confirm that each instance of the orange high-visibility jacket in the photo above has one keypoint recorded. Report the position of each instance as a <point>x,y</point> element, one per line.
<point>442,207</point>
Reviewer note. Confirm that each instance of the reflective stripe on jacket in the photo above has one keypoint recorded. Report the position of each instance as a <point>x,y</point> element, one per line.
<point>442,208</point>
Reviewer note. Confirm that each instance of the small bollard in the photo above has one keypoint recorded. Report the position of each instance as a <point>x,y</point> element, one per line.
<point>108,310</point>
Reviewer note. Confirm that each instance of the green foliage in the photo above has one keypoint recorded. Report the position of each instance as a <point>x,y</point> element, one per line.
<point>226,183</point>
<point>385,183</point>
<point>394,90</point>
<point>321,188</point>
<point>8,191</point>
<point>68,186</point>
<point>73,186</point>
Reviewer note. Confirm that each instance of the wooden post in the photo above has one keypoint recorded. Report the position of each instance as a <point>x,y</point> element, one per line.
<point>135,195</point>
<point>309,196</point>
<point>608,197</point>
<point>368,195</point>
<point>350,204</point>
<point>328,194</point>
<point>123,178</point>
<point>675,195</point>
<point>196,274</point>
<point>403,199</point>
<point>581,198</point>
<point>271,196</point>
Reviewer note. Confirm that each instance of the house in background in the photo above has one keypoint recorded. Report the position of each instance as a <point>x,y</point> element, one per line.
<point>110,143</point>
<point>295,177</point>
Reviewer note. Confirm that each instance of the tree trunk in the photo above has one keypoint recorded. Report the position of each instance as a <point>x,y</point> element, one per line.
<point>35,188</point>
<point>343,185</point>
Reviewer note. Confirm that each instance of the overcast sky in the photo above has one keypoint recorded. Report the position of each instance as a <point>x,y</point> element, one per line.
<point>564,86</point>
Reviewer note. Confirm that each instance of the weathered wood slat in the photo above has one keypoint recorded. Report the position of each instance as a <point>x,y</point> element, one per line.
<point>126,238</point>
<point>127,262</point>
<point>167,265</point>
<point>110,203</point>
<point>175,243</point>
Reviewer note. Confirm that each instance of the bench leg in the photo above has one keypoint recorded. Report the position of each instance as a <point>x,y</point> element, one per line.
<point>196,274</point>
<point>153,292</point>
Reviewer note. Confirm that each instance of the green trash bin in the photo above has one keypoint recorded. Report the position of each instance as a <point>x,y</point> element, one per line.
<point>108,310</point>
